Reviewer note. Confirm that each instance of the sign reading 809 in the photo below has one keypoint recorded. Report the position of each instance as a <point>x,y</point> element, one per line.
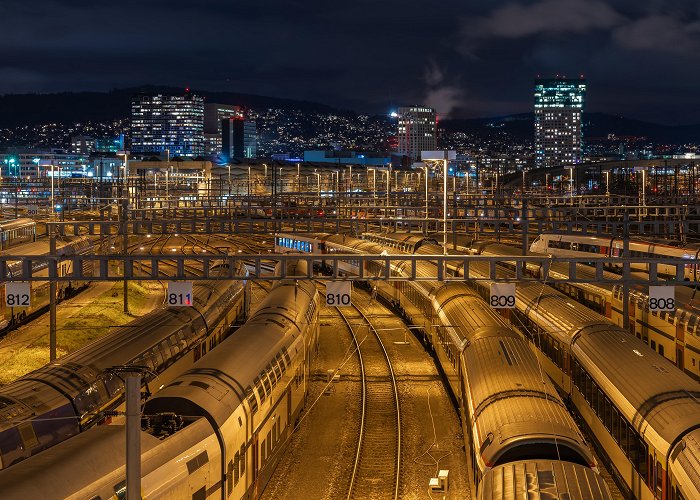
<point>502,295</point>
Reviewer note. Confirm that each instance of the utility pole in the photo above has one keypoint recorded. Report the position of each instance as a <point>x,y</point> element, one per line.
<point>125,250</point>
<point>52,294</point>
<point>133,436</point>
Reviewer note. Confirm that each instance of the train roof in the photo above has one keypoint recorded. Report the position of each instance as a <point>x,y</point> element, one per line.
<point>354,244</point>
<point>457,304</point>
<point>41,247</point>
<point>8,225</point>
<point>241,357</point>
<point>91,464</point>
<point>512,397</point>
<point>658,399</point>
<point>542,479</point>
<point>685,463</point>
<point>408,242</point>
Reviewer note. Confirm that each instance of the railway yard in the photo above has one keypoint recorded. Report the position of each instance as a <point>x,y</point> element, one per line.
<point>318,356</point>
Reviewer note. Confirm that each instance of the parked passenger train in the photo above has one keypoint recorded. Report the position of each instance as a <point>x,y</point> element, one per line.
<point>508,414</point>
<point>674,335</point>
<point>567,245</point>
<point>216,431</point>
<point>16,231</point>
<point>12,317</point>
<point>642,411</point>
<point>62,399</point>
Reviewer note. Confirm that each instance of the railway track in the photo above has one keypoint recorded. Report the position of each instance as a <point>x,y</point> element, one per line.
<point>377,466</point>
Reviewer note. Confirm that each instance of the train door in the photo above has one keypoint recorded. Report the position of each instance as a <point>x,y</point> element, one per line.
<point>199,481</point>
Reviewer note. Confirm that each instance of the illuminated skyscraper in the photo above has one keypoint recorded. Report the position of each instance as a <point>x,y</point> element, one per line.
<point>417,131</point>
<point>172,122</point>
<point>238,139</point>
<point>558,121</point>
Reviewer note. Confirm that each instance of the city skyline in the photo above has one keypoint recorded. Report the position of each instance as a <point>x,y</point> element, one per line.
<point>476,60</point>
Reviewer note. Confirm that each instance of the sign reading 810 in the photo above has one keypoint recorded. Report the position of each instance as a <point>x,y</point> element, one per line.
<point>338,293</point>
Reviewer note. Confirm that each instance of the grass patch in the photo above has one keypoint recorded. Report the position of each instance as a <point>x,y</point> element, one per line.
<point>94,321</point>
<point>23,361</point>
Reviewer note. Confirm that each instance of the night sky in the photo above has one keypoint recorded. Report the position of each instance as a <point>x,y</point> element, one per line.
<point>466,58</point>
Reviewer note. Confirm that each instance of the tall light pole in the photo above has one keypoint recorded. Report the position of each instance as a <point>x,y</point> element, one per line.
<point>607,183</point>
<point>388,189</point>
<point>426,191</point>
<point>229,180</point>
<point>444,203</point>
<point>571,184</point>
<point>53,203</point>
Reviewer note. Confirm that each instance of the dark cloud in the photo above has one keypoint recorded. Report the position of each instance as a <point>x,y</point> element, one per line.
<point>465,58</point>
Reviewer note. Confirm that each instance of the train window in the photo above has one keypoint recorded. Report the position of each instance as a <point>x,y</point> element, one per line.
<point>276,368</point>
<point>28,436</point>
<point>615,431</point>
<point>261,390</point>
<point>236,459</point>
<point>120,490</point>
<point>266,382</point>
<point>242,462</point>
<point>624,441</point>
<point>601,404</point>
<point>588,388</point>
<point>594,397</point>
<point>252,402</point>
<point>661,349</point>
<point>271,375</point>
<point>229,477</point>
<point>608,414</point>
<point>691,323</point>
<point>643,454</point>
<point>658,480</point>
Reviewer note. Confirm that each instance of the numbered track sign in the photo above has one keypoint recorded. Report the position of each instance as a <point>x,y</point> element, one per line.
<point>502,295</point>
<point>18,294</point>
<point>179,294</point>
<point>662,298</point>
<point>338,293</point>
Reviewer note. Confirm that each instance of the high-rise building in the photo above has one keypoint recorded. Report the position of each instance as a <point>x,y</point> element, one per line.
<point>167,122</point>
<point>82,144</point>
<point>558,121</point>
<point>238,138</point>
<point>214,113</point>
<point>417,131</point>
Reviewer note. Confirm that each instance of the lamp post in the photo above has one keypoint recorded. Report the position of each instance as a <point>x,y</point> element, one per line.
<point>571,184</point>
<point>444,203</point>
<point>318,184</point>
<point>229,180</point>
<point>53,204</point>
<point>607,183</point>
<point>388,181</point>
<point>426,191</point>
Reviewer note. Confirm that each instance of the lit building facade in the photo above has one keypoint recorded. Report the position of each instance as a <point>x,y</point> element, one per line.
<point>239,139</point>
<point>559,104</point>
<point>167,122</point>
<point>417,131</point>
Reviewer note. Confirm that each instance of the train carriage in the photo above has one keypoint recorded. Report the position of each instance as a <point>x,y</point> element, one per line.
<point>79,386</point>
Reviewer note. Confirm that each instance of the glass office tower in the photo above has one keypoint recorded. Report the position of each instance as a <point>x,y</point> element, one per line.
<point>558,121</point>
